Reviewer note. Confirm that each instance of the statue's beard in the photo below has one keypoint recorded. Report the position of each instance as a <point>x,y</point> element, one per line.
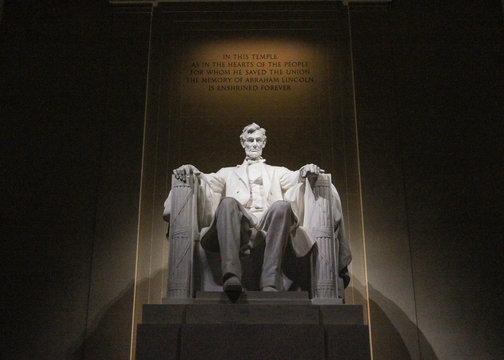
<point>251,154</point>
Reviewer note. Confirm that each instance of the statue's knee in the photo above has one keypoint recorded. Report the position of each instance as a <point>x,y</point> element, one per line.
<point>227,203</point>
<point>281,206</point>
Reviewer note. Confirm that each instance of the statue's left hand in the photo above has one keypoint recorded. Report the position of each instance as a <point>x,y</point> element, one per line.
<point>310,169</point>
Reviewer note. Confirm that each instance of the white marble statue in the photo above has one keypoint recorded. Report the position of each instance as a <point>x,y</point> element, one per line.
<point>239,207</point>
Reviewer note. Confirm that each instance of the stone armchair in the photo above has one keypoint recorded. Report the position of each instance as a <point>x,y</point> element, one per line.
<point>318,208</point>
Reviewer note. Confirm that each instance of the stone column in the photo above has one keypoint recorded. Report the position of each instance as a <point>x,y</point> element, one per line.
<point>318,220</point>
<point>183,232</point>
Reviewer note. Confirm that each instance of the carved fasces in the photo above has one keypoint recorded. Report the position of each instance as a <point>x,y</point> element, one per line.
<point>183,232</point>
<point>319,222</point>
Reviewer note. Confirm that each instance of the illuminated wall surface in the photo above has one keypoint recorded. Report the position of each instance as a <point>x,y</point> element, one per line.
<point>276,77</point>
<point>82,84</point>
<point>224,85</point>
<point>288,94</point>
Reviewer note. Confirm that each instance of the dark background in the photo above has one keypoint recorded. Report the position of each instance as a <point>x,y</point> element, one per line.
<point>429,80</point>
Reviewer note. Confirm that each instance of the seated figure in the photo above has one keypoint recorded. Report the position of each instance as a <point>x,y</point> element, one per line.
<point>238,208</point>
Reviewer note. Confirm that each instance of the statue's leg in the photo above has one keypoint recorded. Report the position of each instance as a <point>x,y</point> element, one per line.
<point>277,223</point>
<point>228,222</point>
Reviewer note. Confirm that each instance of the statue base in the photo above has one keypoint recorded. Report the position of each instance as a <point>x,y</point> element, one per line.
<point>282,325</point>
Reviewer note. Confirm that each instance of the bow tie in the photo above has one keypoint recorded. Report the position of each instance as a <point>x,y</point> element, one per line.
<point>251,161</point>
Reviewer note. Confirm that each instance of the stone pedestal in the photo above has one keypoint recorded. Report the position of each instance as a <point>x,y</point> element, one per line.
<point>284,325</point>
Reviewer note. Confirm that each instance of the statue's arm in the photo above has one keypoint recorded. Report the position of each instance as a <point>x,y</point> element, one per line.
<point>289,178</point>
<point>214,180</point>
<point>209,191</point>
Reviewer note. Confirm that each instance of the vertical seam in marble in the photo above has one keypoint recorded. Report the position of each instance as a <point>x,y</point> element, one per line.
<point>95,222</point>
<point>133,323</point>
<point>359,178</point>
<point>406,208</point>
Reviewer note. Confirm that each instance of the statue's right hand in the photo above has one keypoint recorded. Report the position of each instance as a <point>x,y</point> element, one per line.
<point>183,171</point>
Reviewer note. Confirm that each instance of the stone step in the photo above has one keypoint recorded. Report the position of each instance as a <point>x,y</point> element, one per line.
<point>284,325</point>
<point>244,342</point>
<point>252,341</point>
<point>230,314</point>
<point>255,297</point>
<point>252,314</point>
<point>251,297</point>
<point>256,313</point>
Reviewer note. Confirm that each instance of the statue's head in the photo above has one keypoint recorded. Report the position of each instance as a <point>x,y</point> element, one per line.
<point>253,140</point>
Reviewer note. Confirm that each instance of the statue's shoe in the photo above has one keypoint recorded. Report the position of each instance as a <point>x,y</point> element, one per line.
<point>233,288</point>
<point>269,288</point>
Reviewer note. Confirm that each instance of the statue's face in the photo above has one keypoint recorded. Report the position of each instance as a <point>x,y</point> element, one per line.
<point>254,144</point>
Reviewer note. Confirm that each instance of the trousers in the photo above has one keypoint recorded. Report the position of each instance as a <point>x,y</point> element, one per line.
<point>277,223</point>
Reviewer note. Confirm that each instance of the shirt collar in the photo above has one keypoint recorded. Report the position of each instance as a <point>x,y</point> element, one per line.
<point>250,161</point>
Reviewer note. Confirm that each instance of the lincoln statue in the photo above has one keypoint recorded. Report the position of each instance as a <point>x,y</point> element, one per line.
<point>251,203</point>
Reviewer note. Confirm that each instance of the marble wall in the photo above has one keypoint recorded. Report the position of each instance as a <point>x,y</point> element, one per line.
<point>429,113</point>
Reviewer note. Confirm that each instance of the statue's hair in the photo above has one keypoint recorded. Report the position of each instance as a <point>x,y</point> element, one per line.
<point>251,128</point>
